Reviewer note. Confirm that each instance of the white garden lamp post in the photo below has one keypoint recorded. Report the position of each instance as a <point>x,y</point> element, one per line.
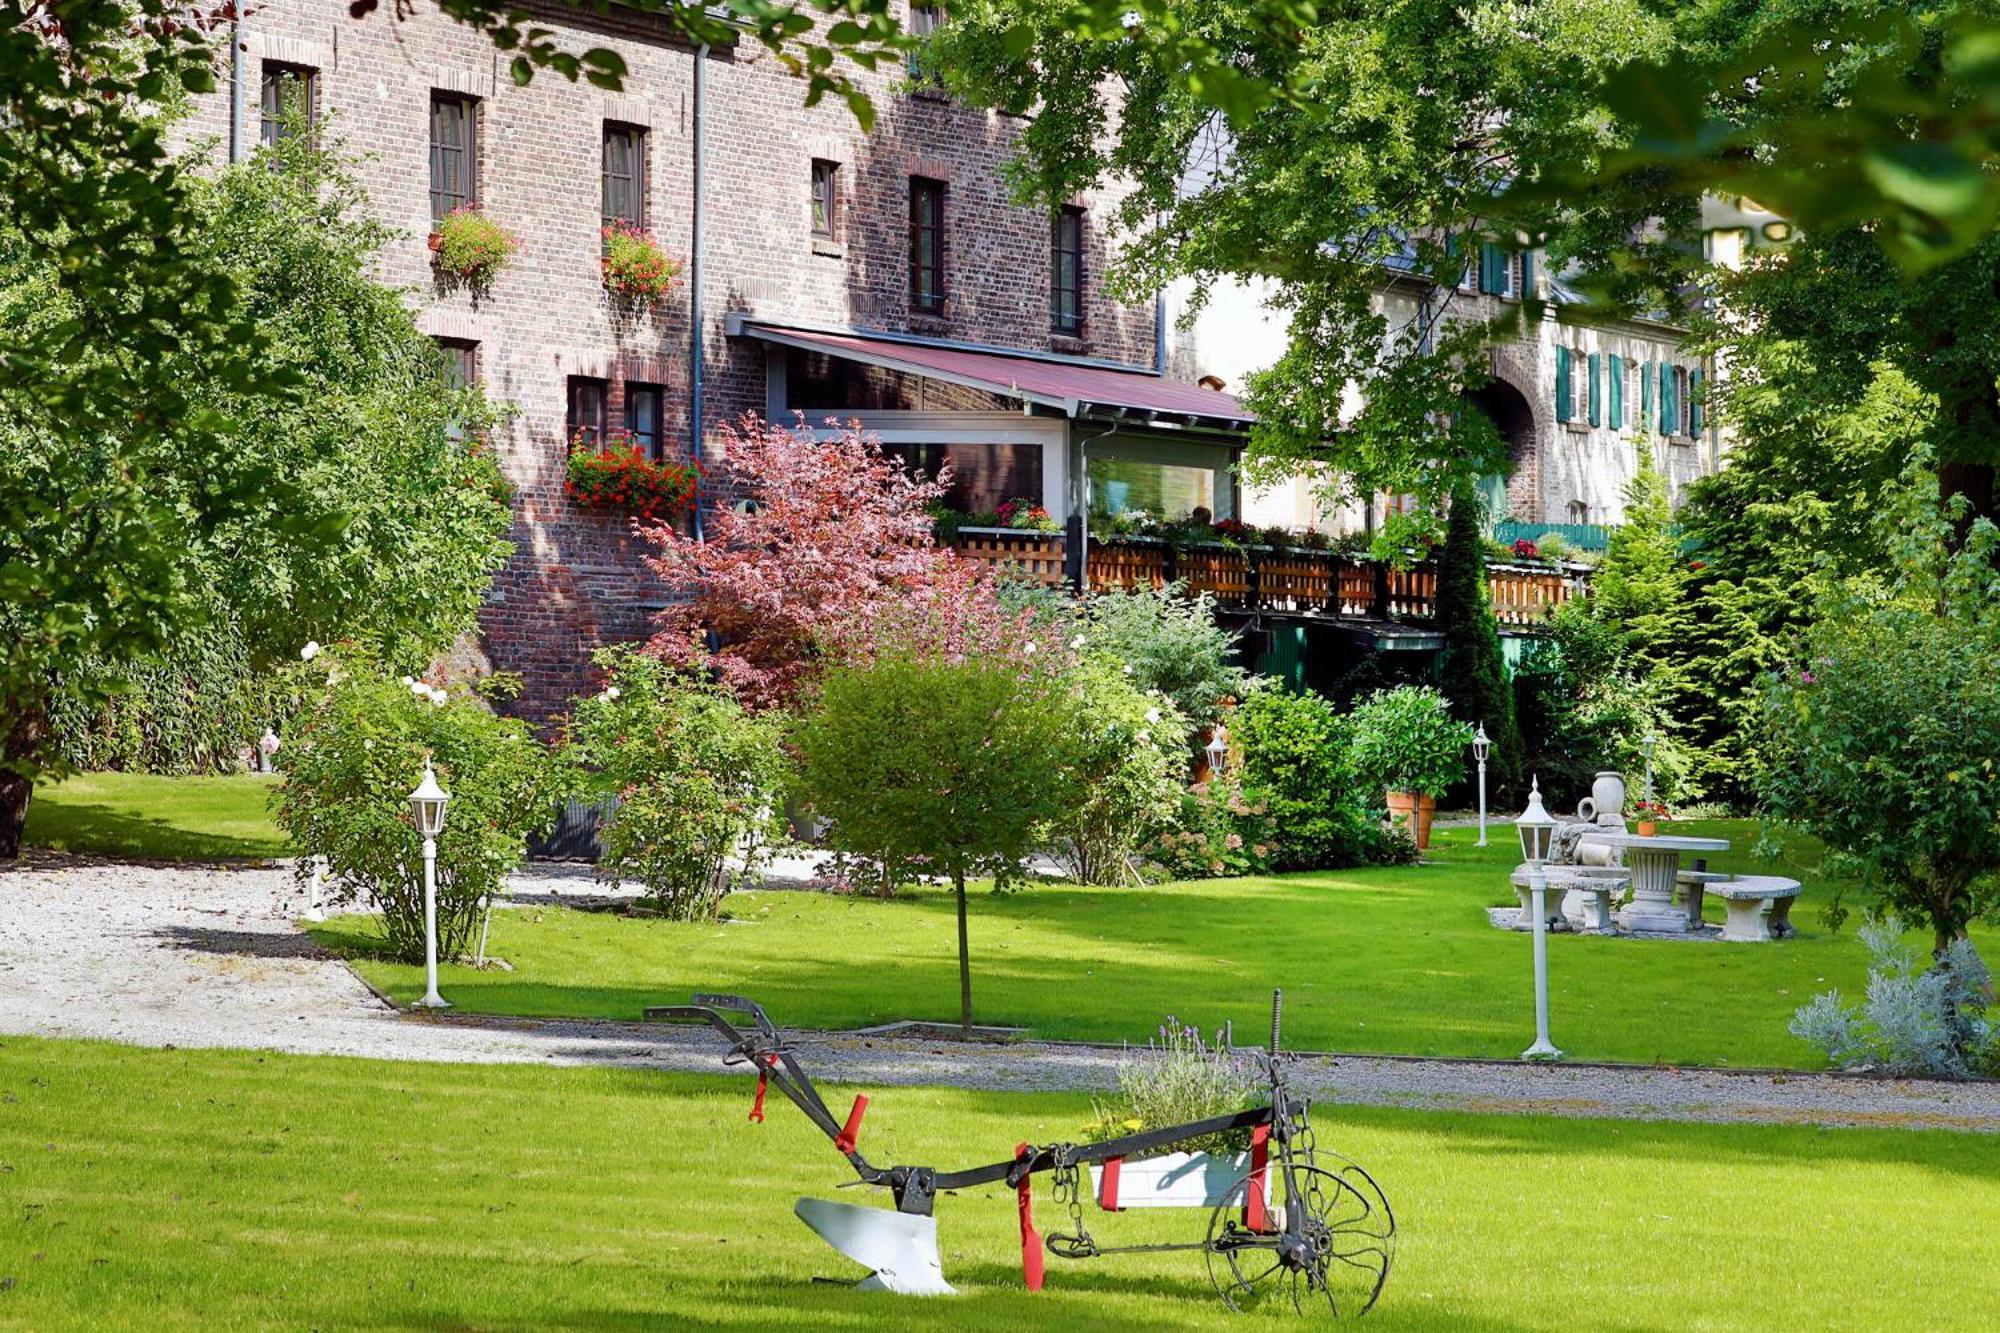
<point>1481,746</point>
<point>1537,829</point>
<point>1646,747</point>
<point>427,803</point>
<point>1217,750</point>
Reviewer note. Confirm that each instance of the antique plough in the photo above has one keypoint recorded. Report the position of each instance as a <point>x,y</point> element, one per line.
<point>1292,1223</point>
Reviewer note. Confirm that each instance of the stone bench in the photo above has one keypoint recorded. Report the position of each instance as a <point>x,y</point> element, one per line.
<point>1745,897</point>
<point>1582,895</point>
<point>1690,886</point>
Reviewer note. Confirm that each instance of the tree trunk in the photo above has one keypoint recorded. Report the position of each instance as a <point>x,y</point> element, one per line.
<point>964,959</point>
<point>21,747</point>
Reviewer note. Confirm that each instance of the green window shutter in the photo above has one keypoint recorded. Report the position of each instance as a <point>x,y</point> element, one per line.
<point>1596,390</point>
<point>1646,417</point>
<point>1527,274</point>
<point>1694,402</point>
<point>1562,384</point>
<point>1492,269</point>
<point>1454,250</point>
<point>1617,365</point>
<point>1666,398</point>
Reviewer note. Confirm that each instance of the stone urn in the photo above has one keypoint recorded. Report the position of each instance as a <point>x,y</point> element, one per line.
<point>1607,797</point>
<point>1414,810</point>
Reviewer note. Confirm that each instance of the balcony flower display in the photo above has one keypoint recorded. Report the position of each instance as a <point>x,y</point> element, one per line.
<point>470,248</point>
<point>620,476</point>
<point>634,264</point>
<point>1027,516</point>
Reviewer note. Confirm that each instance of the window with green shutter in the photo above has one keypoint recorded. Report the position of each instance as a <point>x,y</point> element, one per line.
<point>1694,402</point>
<point>1562,384</point>
<point>1669,409</point>
<point>1617,395</point>
<point>1646,417</point>
<point>1492,269</point>
<point>1596,391</point>
<point>1527,274</point>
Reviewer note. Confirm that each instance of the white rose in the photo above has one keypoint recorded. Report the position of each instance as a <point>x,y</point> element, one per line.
<point>1152,715</point>
<point>268,742</point>
<point>1127,668</point>
<point>310,651</point>
<point>1029,648</point>
<point>1077,643</point>
<point>409,682</point>
<point>611,693</point>
<point>419,689</point>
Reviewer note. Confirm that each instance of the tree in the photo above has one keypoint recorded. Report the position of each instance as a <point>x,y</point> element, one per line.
<point>1472,674</point>
<point>830,549</point>
<point>1393,128</point>
<point>1169,641</point>
<point>954,763</point>
<point>1128,752</point>
<point>357,500</point>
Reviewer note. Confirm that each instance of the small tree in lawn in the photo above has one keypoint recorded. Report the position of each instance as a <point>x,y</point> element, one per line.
<point>1473,675</point>
<point>951,762</point>
<point>834,533</point>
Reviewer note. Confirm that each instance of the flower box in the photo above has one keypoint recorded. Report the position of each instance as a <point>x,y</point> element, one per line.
<point>1179,1180</point>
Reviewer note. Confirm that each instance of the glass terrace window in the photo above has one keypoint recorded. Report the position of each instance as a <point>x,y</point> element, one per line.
<point>624,174</point>
<point>825,198</point>
<point>588,400</point>
<point>454,153</point>
<point>643,403</point>
<point>926,244</point>
<point>287,100</point>
<point>1066,271</point>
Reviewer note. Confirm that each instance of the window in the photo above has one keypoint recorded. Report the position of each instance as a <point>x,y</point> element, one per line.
<point>924,20</point>
<point>624,174</point>
<point>1682,425</point>
<point>926,244</point>
<point>983,476</point>
<point>588,399</point>
<point>462,360</point>
<point>1066,271</point>
<point>1576,385</point>
<point>643,403</point>
<point>289,92</point>
<point>825,198</point>
<point>454,153</point>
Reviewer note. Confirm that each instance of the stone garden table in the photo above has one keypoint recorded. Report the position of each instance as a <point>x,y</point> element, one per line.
<point>1655,863</point>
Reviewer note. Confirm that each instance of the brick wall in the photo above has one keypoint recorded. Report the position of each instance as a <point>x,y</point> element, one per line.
<point>575,580</point>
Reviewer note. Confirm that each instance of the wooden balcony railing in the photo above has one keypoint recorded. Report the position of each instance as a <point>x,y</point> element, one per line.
<point>1263,578</point>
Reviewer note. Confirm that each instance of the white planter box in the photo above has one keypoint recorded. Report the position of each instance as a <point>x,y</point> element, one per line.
<point>1180,1180</point>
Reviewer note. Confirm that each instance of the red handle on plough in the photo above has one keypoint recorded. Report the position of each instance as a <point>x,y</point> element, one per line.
<point>851,1131</point>
<point>763,1078</point>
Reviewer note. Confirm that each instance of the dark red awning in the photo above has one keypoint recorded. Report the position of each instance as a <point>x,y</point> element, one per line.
<point>1074,389</point>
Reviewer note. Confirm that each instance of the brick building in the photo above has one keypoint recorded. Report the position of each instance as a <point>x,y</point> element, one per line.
<point>885,277</point>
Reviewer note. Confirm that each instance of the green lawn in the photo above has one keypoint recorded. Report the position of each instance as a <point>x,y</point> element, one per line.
<point>1394,960</point>
<point>145,818</point>
<point>216,1189</point>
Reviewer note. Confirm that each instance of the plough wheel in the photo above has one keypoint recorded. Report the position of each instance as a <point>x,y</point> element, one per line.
<point>1334,1258</point>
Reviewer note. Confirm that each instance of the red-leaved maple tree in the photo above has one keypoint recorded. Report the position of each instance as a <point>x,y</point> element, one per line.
<point>827,556</point>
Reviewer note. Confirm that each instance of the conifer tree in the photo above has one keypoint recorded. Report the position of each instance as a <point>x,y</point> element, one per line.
<point>1473,674</point>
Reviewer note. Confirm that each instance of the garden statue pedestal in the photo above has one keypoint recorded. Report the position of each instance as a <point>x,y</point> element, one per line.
<point>1655,867</point>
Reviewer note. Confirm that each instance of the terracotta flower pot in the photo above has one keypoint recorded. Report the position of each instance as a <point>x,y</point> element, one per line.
<point>1649,828</point>
<point>1414,810</point>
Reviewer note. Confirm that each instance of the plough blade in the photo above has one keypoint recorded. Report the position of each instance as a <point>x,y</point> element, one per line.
<point>900,1248</point>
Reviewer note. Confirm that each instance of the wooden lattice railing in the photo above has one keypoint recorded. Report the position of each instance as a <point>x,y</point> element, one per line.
<point>1259,578</point>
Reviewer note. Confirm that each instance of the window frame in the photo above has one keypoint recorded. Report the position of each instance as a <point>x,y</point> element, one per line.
<point>637,181</point>
<point>464,354</point>
<point>823,215</point>
<point>270,127</point>
<point>637,391</point>
<point>927,215</point>
<point>574,423</point>
<point>924,20</point>
<point>467,150</point>
<point>1067,217</point>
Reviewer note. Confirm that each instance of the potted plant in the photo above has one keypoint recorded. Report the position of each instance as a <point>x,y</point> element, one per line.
<point>1407,741</point>
<point>469,248</point>
<point>1026,515</point>
<point>1650,815</point>
<point>620,476</point>
<point>1178,1078</point>
<point>634,264</point>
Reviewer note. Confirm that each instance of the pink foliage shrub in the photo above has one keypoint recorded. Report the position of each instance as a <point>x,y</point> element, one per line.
<point>831,560</point>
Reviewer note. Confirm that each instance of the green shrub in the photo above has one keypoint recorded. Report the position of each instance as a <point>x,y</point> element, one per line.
<point>1923,1023</point>
<point>350,763</point>
<point>1125,749</point>
<point>695,778</point>
<point>192,711</point>
<point>1406,740</point>
<point>953,765</point>
<point>1173,645</point>
<point>1219,831</point>
<point>1298,766</point>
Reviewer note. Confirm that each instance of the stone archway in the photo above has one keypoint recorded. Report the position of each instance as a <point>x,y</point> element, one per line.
<point>1518,490</point>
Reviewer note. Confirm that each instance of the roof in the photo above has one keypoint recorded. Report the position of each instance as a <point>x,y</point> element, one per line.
<point>1070,387</point>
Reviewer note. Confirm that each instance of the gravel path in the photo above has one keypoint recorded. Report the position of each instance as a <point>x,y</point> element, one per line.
<point>187,956</point>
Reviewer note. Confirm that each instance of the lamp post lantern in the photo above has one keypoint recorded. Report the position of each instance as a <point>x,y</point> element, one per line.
<point>427,803</point>
<point>1481,745</point>
<point>1217,750</point>
<point>1647,744</point>
<point>1537,829</point>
